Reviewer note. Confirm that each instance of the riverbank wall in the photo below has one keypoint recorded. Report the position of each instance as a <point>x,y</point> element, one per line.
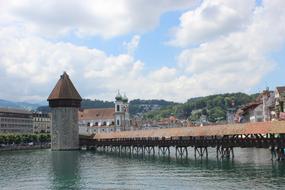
<point>24,147</point>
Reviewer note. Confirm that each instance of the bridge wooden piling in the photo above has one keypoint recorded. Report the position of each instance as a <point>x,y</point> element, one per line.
<point>269,135</point>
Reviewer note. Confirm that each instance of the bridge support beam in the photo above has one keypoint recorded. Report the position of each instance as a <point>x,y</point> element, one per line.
<point>164,151</point>
<point>115,149</point>
<point>201,151</point>
<point>225,152</point>
<point>137,149</point>
<point>280,153</point>
<point>126,149</point>
<point>181,152</point>
<point>149,150</point>
<point>273,152</point>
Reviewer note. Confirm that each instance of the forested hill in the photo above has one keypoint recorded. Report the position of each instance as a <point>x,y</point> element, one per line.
<point>139,107</point>
<point>213,107</point>
<point>18,105</point>
<point>136,107</point>
<point>86,103</point>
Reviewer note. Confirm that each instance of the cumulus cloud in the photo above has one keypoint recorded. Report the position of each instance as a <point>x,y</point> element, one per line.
<point>224,58</point>
<point>38,63</point>
<point>237,60</point>
<point>31,66</point>
<point>89,17</point>
<point>165,74</point>
<point>132,45</point>
<point>213,18</point>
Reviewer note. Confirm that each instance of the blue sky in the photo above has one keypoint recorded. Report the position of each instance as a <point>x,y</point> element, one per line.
<point>174,50</point>
<point>152,43</point>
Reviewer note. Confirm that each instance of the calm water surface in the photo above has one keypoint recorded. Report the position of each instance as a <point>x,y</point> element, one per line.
<point>45,169</point>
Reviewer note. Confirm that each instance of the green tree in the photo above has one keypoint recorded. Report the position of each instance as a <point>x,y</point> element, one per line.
<point>18,139</point>
<point>35,138</point>
<point>11,138</point>
<point>217,114</point>
<point>2,140</point>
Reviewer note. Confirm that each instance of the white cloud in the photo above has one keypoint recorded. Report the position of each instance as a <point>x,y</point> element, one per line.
<point>165,74</point>
<point>37,63</point>
<point>239,59</point>
<point>234,60</point>
<point>132,45</point>
<point>213,18</point>
<point>89,17</point>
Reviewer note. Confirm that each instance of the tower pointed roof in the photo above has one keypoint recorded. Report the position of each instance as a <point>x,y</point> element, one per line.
<point>118,96</point>
<point>64,90</point>
<point>125,98</point>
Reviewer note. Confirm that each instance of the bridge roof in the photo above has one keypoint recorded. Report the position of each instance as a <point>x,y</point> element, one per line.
<point>275,127</point>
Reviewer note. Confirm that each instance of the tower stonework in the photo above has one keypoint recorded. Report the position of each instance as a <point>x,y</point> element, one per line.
<point>64,102</point>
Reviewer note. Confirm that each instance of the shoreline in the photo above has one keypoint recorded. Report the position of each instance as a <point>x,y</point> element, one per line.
<point>24,147</point>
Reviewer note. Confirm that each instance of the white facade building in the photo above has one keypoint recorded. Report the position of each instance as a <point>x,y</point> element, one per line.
<point>15,121</point>
<point>92,121</point>
<point>41,122</point>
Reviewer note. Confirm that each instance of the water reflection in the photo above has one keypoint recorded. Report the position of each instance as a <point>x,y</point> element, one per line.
<point>45,169</point>
<point>65,169</point>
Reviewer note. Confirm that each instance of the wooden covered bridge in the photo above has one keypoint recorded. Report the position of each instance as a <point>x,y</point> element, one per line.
<point>224,138</point>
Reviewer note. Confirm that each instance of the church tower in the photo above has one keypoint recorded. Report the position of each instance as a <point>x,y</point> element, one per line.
<point>122,121</point>
<point>119,113</point>
<point>64,102</point>
<point>126,112</point>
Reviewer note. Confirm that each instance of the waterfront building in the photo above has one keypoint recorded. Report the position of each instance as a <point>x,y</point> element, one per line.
<point>15,121</point>
<point>280,102</point>
<point>41,122</point>
<point>91,121</point>
<point>170,122</point>
<point>262,109</point>
<point>95,120</point>
<point>231,110</point>
<point>64,102</point>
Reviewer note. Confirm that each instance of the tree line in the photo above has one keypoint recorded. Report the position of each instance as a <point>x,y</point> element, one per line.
<point>135,106</point>
<point>10,138</point>
<point>213,107</point>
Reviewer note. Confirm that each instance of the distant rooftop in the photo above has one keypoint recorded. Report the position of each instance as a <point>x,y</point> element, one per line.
<point>96,114</point>
<point>13,110</point>
<point>280,89</point>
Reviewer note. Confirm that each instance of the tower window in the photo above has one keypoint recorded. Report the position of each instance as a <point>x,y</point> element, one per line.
<point>118,108</point>
<point>118,122</point>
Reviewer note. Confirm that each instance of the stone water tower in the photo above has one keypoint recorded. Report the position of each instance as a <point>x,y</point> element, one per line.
<point>64,101</point>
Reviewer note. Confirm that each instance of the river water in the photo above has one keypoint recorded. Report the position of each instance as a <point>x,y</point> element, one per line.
<point>45,169</point>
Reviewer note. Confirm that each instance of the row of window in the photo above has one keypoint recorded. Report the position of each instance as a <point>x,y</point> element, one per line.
<point>41,129</point>
<point>99,124</point>
<point>15,125</point>
<point>41,119</point>
<point>16,130</point>
<point>15,120</point>
<point>41,126</point>
<point>102,130</point>
<point>41,115</point>
<point>17,115</point>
